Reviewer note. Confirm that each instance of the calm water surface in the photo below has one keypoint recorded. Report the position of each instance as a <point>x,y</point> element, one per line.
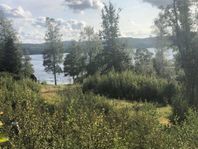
<point>37,61</point>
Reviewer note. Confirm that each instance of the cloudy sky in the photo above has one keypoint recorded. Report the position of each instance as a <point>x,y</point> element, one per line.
<point>28,16</point>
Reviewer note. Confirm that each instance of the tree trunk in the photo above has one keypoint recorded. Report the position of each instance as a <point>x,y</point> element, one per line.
<point>55,80</point>
<point>54,72</point>
<point>54,69</point>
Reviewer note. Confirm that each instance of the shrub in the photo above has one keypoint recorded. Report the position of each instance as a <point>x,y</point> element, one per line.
<point>93,123</point>
<point>180,108</point>
<point>87,121</point>
<point>130,86</point>
<point>79,121</point>
<point>184,135</point>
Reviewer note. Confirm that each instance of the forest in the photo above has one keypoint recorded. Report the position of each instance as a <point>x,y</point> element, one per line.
<point>122,96</point>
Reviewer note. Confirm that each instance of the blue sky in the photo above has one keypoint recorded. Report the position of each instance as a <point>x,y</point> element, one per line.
<point>28,16</point>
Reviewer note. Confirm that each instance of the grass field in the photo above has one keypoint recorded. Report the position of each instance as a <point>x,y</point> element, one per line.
<point>55,94</point>
<point>52,95</point>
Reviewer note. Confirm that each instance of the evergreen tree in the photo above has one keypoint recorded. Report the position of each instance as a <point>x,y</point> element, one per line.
<point>53,52</point>
<point>27,67</point>
<point>162,66</point>
<point>74,63</point>
<point>143,61</point>
<point>12,57</point>
<point>113,56</point>
<point>92,46</point>
<point>10,54</point>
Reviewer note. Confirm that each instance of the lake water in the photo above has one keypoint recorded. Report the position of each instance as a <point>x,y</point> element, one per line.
<point>42,76</point>
<point>37,61</point>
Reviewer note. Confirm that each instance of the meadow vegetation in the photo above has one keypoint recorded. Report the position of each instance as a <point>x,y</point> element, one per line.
<point>124,99</point>
<point>86,120</point>
<point>131,86</point>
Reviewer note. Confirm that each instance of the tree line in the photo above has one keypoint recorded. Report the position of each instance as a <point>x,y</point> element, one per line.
<point>179,21</point>
<point>103,52</point>
<point>94,52</point>
<point>12,58</point>
<point>175,27</point>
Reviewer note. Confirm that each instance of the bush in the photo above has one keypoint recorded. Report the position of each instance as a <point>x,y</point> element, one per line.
<point>184,135</point>
<point>79,121</point>
<point>93,123</point>
<point>86,121</point>
<point>180,108</point>
<point>130,86</point>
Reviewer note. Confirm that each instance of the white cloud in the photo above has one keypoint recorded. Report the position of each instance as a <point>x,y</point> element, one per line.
<point>32,29</point>
<point>158,3</point>
<point>18,12</point>
<point>31,37</point>
<point>64,24</point>
<point>72,24</point>
<point>138,30</point>
<point>39,21</point>
<point>80,5</point>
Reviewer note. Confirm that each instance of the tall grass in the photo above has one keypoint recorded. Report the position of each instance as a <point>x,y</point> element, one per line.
<point>131,86</point>
<point>86,121</point>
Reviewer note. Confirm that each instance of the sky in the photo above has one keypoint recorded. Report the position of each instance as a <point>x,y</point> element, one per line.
<point>28,16</point>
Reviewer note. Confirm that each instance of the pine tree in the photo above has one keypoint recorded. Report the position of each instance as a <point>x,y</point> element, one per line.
<point>143,61</point>
<point>74,63</point>
<point>12,57</point>
<point>27,67</point>
<point>161,64</point>
<point>92,46</point>
<point>113,56</point>
<point>10,53</point>
<point>53,52</point>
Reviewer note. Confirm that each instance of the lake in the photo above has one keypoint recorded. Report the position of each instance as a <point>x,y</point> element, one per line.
<point>37,61</point>
<point>42,76</point>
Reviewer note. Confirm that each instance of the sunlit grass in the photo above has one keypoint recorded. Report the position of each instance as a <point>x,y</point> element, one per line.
<point>3,140</point>
<point>163,112</point>
<point>52,94</point>
<point>1,124</point>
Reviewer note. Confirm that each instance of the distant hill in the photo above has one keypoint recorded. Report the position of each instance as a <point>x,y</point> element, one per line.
<point>129,43</point>
<point>139,42</point>
<point>33,49</point>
